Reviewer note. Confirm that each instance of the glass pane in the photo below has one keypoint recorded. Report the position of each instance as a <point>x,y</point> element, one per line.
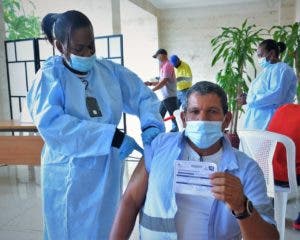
<point>25,50</point>
<point>116,60</point>
<point>46,49</point>
<point>30,73</point>
<point>15,108</point>
<point>42,62</point>
<point>11,52</point>
<point>25,115</point>
<point>101,47</point>
<point>17,79</point>
<point>114,47</point>
<point>121,125</point>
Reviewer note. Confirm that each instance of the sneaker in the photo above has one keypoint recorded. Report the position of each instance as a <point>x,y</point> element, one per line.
<point>296,223</point>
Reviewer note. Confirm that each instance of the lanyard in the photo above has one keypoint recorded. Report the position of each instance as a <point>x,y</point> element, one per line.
<point>91,102</point>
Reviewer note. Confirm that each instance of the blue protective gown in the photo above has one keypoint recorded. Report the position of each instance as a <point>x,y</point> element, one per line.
<point>274,86</point>
<point>81,172</point>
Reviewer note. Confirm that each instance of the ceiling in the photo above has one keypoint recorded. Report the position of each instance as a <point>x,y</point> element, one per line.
<point>164,4</point>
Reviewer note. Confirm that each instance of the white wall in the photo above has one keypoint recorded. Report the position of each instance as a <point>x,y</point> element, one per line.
<point>139,28</point>
<point>187,32</point>
<point>287,11</point>
<point>98,11</point>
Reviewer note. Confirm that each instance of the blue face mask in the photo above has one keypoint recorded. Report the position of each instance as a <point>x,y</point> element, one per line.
<point>263,62</point>
<point>204,133</point>
<point>82,64</point>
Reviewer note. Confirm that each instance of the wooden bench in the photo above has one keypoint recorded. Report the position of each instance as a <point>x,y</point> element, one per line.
<point>19,149</point>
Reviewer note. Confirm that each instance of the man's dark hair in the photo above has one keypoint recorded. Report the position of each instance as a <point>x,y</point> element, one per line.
<point>205,87</point>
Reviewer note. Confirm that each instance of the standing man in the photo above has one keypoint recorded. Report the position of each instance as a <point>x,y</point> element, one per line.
<point>184,78</point>
<point>167,84</point>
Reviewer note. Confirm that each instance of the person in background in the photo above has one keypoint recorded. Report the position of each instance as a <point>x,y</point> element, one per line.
<point>286,121</point>
<point>238,206</point>
<point>274,86</point>
<point>167,85</point>
<point>76,101</point>
<point>184,78</point>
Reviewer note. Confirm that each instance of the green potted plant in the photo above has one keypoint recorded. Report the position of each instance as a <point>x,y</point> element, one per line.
<point>235,48</point>
<point>18,24</point>
<point>290,35</point>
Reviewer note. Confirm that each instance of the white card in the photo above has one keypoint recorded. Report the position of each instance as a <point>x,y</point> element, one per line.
<point>192,177</point>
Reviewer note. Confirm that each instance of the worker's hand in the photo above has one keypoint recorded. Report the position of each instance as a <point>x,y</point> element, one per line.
<point>149,134</point>
<point>241,100</point>
<point>127,147</point>
<point>152,81</point>
<point>228,188</point>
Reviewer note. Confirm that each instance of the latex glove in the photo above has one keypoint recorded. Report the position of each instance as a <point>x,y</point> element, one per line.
<point>127,147</point>
<point>149,134</point>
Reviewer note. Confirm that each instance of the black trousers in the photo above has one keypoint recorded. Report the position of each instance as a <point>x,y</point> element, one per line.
<point>170,105</point>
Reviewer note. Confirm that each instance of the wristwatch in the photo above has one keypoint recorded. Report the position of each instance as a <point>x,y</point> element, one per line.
<point>248,210</point>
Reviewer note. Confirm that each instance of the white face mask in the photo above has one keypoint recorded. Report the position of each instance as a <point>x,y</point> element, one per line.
<point>263,62</point>
<point>204,133</point>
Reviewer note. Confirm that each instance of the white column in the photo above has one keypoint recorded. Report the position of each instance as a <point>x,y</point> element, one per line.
<point>116,16</point>
<point>297,9</point>
<point>287,11</point>
<point>4,103</point>
<point>147,6</point>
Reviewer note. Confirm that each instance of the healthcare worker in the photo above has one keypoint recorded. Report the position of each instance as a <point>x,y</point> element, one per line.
<point>76,102</point>
<point>274,86</point>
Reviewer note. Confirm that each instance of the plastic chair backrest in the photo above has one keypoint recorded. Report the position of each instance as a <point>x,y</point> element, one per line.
<point>260,145</point>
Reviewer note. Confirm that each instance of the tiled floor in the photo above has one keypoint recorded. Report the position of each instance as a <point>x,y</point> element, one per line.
<point>20,204</point>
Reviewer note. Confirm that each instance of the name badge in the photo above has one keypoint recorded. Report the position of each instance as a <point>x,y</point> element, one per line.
<point>93,107</point>
<point>192,177</point>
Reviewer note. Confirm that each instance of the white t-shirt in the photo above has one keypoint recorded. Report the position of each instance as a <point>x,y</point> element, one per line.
<point>193,211</point>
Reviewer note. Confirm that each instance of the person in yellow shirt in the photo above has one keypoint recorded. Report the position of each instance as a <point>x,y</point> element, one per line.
<point>183,76</point>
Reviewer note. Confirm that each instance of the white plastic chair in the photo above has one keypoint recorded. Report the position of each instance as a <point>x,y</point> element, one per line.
<point>260,145</point>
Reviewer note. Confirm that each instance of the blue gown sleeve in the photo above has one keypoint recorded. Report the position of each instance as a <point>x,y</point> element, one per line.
<point>62,132</point>
<point>277,91</point>
<point>138,99</point>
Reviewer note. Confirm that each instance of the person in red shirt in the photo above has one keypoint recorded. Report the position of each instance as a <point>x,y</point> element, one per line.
<point>286,121</point>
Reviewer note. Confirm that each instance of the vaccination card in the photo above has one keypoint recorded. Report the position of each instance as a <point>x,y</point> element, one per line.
<point>192,177</point>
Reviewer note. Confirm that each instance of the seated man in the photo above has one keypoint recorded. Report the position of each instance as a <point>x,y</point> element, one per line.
<point>286,121</point>
<point>237,205</point>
